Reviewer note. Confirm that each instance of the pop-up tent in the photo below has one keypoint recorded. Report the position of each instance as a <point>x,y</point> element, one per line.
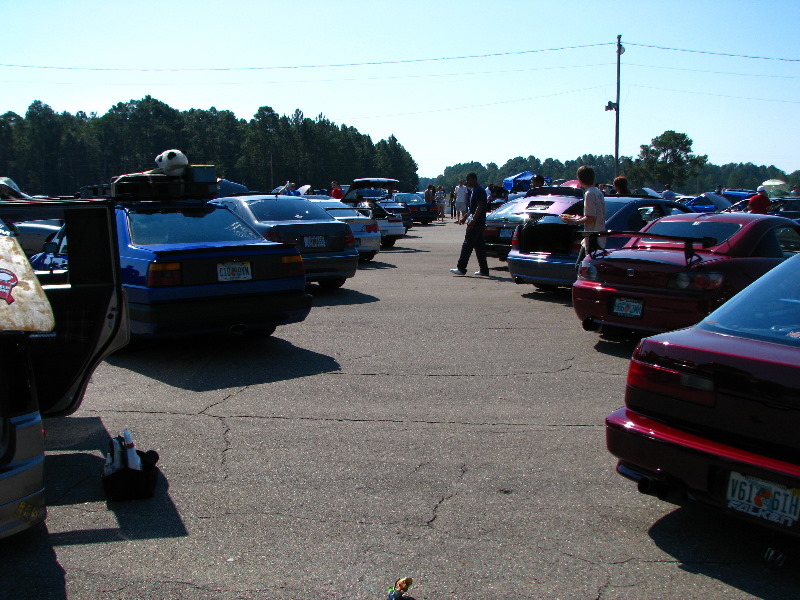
<point>521,181</point>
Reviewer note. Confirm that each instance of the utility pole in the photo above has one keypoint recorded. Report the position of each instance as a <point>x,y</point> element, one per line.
<point>615,107</point>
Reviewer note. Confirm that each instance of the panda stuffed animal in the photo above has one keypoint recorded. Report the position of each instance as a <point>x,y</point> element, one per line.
<point>171,162</point>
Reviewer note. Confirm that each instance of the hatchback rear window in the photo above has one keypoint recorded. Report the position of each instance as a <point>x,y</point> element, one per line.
<point>187,226</point>
<point>287,210</point>
<point>335,211</point>
<point>720,231</point>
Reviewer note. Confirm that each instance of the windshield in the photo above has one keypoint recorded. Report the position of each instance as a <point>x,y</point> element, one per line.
<point>409,198</point>
<point>270,209</point>
<point>720,231</point>
<point>767,310</point>
<point>187,226</point>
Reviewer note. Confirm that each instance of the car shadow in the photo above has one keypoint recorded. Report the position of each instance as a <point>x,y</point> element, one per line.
<point>339,297</point>
<point>30,567</point>
<point>562,296</point>
<point>402,250</point>
<point>729,550</point>
<point>622,346</point>
<point>375,265</point>
<point>206,364</point>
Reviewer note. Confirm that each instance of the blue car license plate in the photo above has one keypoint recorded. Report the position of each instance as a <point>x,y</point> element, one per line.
<point>239,271</point>
<point>314,241</point>
<point>628,307</point>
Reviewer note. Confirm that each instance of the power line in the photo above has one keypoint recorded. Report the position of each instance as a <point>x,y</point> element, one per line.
<point>713,53</point>
<point>362,64</point>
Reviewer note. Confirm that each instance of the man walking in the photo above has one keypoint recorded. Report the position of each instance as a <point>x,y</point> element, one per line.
<point>594,211</point>
<point>475,218</point>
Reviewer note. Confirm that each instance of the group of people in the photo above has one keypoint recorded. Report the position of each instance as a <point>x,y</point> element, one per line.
<point>593,218</point>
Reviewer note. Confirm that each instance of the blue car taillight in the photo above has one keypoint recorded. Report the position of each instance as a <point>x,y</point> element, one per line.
<point>293,266</point>
<point>164,274</point>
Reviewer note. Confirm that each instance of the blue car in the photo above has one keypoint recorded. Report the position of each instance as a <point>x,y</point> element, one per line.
<point>544,249</point>
<point>708,202</point>
<point>189,266</point>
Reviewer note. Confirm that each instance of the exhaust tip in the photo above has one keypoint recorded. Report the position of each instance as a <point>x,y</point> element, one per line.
<point>653,487</point>
<point>590,325</point>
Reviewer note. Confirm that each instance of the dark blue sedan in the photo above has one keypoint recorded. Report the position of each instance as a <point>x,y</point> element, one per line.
<point>192,267</point>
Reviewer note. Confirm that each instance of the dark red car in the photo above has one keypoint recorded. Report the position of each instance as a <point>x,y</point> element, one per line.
<point>689,267</point>
<point>712,412</point>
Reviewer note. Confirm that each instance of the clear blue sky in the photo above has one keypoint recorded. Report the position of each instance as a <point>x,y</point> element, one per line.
<point>542,93</point>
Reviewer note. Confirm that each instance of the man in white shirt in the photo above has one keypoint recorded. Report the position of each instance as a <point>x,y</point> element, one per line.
<point>594,211</point>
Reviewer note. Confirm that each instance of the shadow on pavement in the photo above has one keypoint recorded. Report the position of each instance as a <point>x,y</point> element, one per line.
<point>212,363</point>
<point>29,568</point>
<point>729,550</point>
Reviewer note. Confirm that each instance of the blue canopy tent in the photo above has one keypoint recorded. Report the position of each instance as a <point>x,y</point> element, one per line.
<point>521,181</point>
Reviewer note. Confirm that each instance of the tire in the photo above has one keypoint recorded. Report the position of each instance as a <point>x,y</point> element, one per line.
<point>332,284</point>
<point>367,257</point>
<point>388,242</point>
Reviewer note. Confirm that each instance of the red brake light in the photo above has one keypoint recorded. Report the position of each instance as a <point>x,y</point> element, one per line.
<point>515,239</point>
<point>349,239</point>
<point>372,228</point>
<point>164,274</point>
<point>668,382</point>
<point>293,265</point>
<point>696,281</point>
<point>272,236</point>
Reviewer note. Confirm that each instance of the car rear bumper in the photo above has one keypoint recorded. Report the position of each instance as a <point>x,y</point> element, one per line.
<point>22,480</point>
<point>225,313</point>
<point>675,465</point>
<point>330,267</point>
<point>542,268</point>
<point>594,302</point>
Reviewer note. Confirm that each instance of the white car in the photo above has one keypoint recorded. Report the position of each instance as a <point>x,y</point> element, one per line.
<point>365,229</point>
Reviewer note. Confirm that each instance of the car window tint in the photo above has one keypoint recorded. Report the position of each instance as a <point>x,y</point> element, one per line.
<point>287,210</point>
<point>612,207</point>
<point>407,198</point>
<point>335,211</point>
<point>789,205</point>
<point>187,226</point>
<point>789,239</point>
<point>768,310</point>
<point>720,231</point>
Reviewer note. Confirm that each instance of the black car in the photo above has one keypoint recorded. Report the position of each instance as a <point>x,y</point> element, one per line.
<point>421,211</point>
<point>55,328</point>
<point>398,208</point>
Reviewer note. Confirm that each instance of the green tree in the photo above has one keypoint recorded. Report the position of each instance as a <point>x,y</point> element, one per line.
<point>668,159</point>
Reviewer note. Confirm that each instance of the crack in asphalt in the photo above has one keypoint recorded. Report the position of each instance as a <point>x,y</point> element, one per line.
<point>443,499</point>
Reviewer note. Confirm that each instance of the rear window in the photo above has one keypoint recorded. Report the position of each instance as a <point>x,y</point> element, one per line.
<point>187,226</point>
<point>720,231</point>
<point>409,198</point>
<point>335,211</point>
<point>287,210</point>
<point>767,310</point>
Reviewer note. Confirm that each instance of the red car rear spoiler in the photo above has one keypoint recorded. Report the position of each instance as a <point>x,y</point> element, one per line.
<point>688,242</point>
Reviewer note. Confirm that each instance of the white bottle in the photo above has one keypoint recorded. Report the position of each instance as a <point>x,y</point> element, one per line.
<point>116,455</point>
<point>134,462</point>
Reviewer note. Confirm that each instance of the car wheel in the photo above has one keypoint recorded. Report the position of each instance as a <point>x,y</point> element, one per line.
<point>388,242</point>
<point>332,284</point>
<point>366,257</point>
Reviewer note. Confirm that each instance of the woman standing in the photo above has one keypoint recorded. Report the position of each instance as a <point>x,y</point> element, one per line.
<point>441,202</point>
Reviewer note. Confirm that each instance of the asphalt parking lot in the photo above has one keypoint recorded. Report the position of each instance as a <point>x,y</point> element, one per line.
<point>416,424</point>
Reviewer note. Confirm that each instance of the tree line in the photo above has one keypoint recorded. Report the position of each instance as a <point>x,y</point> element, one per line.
<point>668,159</point>
<point>51,153</point>
<point>56,153</point>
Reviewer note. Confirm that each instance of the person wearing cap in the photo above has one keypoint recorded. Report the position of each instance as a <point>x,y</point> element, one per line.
<point>759,203</point>
<point>718,189</point>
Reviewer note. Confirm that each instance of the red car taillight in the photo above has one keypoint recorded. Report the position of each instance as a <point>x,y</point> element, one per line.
<point>164,274</point>
<point>372,228</point>
<point>668,382</point>
<point>349,239</point>
<point>293,266</point>
<point>515,239</point>
<point>696,281</point>
<point>272,236</point>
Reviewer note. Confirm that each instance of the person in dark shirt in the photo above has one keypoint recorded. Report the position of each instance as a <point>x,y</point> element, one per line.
<point>475,219</point>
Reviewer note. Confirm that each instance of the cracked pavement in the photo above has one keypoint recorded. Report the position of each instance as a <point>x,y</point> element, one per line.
<point>450,429</point>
